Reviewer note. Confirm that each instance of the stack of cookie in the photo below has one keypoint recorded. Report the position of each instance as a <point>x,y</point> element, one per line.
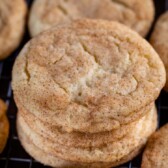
<point>4,126</point>
<point>85,92</point>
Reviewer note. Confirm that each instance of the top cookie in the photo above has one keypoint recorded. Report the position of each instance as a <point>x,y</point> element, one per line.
<point>87,73</point>
<point>136,14</point>
<point>12,21</point>
<point>156,152</point>
<point>159,40</point>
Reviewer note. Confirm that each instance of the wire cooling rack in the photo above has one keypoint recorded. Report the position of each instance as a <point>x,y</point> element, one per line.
<point>14,156</point>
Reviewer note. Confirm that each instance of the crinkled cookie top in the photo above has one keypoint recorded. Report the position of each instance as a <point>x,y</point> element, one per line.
<point>86,75</point>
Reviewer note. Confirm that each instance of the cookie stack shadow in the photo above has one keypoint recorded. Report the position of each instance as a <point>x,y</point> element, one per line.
<point>87,108</point>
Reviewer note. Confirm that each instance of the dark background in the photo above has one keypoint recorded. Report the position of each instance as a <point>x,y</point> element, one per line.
<point>14,155</point>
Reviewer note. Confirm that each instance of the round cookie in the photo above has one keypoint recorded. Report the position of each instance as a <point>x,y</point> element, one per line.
<point>156,152</point>
<point>78,139</point>
<point>12,23</point>
<point>4,126</point>
<point>111,152</point>
<point>159,41</point>
<point>69,77</point>
<point>136,14</point>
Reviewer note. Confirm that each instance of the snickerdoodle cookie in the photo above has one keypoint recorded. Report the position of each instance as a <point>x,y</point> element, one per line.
<point>85,94</point>
<point>159,40</point>
<point>12,22</point>
<point>137,14</point>
<point>86,74</point>
<point>156,152</point>
<point>4,126</point>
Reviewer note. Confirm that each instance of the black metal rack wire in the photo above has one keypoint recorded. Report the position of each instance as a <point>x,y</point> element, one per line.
<point>14,156</point>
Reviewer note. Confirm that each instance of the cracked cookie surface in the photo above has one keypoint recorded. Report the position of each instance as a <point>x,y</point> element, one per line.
<point>136,14</point>
<point>159,41</point>
<point>88,76</point>
<point>12,22</point>
<point>156,152</point>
